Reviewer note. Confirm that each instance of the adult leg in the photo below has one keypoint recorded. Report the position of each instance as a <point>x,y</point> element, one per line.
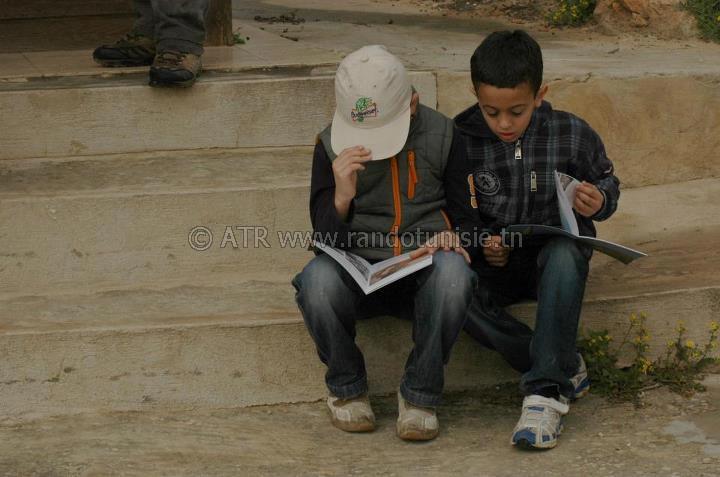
<point>443,294</point>
<point>180,25</point>
<point>136,48</point>
<point>562,268</point>
<point>144,18</point>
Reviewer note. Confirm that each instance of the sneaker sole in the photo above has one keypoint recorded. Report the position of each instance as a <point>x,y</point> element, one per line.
<point>365,426</point>
<point>179,84</point>
<point>582,390</point>
<point>416,435</point>
<point>525,444</point>
<point>122,63</point>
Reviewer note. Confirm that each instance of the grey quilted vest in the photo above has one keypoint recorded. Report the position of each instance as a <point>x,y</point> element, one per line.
<point>399,201</point>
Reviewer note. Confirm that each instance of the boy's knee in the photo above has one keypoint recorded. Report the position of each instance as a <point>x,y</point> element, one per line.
<point>565,253</point>
<point>320,283</point>
<point>451,275</point>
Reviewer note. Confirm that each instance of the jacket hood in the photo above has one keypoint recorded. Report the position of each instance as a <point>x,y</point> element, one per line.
<point>472,122</point>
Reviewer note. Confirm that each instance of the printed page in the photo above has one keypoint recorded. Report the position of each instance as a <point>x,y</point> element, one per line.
<point>393,269</point>
<point>356,266</point>
<point>565,186</point>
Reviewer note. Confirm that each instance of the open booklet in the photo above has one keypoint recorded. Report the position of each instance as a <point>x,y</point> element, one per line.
<point>370,276</point>
<point>566,186</point>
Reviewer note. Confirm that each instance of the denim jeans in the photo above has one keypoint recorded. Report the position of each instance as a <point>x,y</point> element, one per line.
<point>553,271</point>
<point>435,298</point>
<point>174,24</point>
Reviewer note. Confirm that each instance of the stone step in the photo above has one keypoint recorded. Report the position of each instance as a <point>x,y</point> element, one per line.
<point>93,116</point>
<point>117,221</point>
<point>274,92</point>
<point>37,9</point>
<point>649,144</point>
<point>229,343</point>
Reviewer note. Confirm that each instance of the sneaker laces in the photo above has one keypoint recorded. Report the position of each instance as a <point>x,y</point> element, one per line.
<point>130,37</point>
<point>538,409</point>
<point>171,58</point>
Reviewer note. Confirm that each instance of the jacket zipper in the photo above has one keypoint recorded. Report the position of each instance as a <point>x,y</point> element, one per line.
<point>395,230</point>
<point>412,175</point>
<point>533,182</point>
<point>521,201</point>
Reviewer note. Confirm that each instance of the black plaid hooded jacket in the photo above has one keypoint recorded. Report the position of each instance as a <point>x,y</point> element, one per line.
<point>510,184</point>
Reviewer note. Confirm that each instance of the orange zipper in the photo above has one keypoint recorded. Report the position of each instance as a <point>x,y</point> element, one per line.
<point>447,219</point>
<point>412,175</point>
<point>397,245</point>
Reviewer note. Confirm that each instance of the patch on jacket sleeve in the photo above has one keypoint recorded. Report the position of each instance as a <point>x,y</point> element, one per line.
<point>471,186</point>
<point>487,182</point>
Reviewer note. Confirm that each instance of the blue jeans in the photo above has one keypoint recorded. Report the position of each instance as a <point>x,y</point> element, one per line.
<point>552,271</point>
<point>435,298</point>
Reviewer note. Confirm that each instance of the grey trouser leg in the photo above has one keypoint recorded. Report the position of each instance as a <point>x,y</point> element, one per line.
<point>144,18</point>
<point>175,24</point>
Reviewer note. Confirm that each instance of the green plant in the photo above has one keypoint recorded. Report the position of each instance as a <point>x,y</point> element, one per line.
<point>707,13</point>
<point>572,12</point>
<point>684,361</point>
<point>680,368</point>
<point>239,39</point>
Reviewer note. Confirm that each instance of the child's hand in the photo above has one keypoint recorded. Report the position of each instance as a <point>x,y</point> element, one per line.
<point>445,240</point>
<point>588,199</point>
<point>495,253</point>
<point>345,168</point>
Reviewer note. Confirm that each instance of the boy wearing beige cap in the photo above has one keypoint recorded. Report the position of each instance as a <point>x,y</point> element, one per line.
<point>378,190</point>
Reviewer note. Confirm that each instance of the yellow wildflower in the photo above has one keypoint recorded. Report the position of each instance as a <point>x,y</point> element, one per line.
<point>689,344</point>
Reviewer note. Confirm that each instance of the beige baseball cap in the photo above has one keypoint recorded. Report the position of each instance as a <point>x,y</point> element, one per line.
<point>372,94</point>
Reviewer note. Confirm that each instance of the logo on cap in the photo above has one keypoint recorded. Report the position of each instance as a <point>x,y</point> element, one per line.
<point>364,108</point>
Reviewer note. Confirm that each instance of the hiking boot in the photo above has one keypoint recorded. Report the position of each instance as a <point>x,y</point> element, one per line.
<point>131,50</point>
<point>416,423</point>
<point>175,68</point>
<point>540,423</point>
<point>352,415</point>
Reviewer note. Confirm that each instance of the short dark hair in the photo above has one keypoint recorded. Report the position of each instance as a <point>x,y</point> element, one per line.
<point>507,59</point>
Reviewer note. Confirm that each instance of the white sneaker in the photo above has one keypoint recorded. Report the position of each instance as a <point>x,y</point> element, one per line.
<point>580,381</point>
<point>352,415</point>
<point>540,423</point>
<point>416,423</point>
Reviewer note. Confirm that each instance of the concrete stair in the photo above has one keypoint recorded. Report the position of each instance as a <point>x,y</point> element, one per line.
<point>113,322</point>
<point>105,306</point>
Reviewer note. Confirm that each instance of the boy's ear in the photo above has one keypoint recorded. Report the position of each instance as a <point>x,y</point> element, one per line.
<point>414,103</point>
<point>540,96</point>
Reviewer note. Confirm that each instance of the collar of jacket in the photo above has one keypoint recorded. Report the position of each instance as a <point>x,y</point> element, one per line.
<point>472,122</point>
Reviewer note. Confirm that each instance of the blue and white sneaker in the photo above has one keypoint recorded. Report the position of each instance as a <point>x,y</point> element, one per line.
<point>540,423</point>
<point>580,381</point>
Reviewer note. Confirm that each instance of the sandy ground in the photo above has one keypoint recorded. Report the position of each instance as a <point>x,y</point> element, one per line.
<point>668,436</point>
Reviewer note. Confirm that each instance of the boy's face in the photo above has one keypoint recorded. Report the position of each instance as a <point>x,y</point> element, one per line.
<point>508,111</point>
